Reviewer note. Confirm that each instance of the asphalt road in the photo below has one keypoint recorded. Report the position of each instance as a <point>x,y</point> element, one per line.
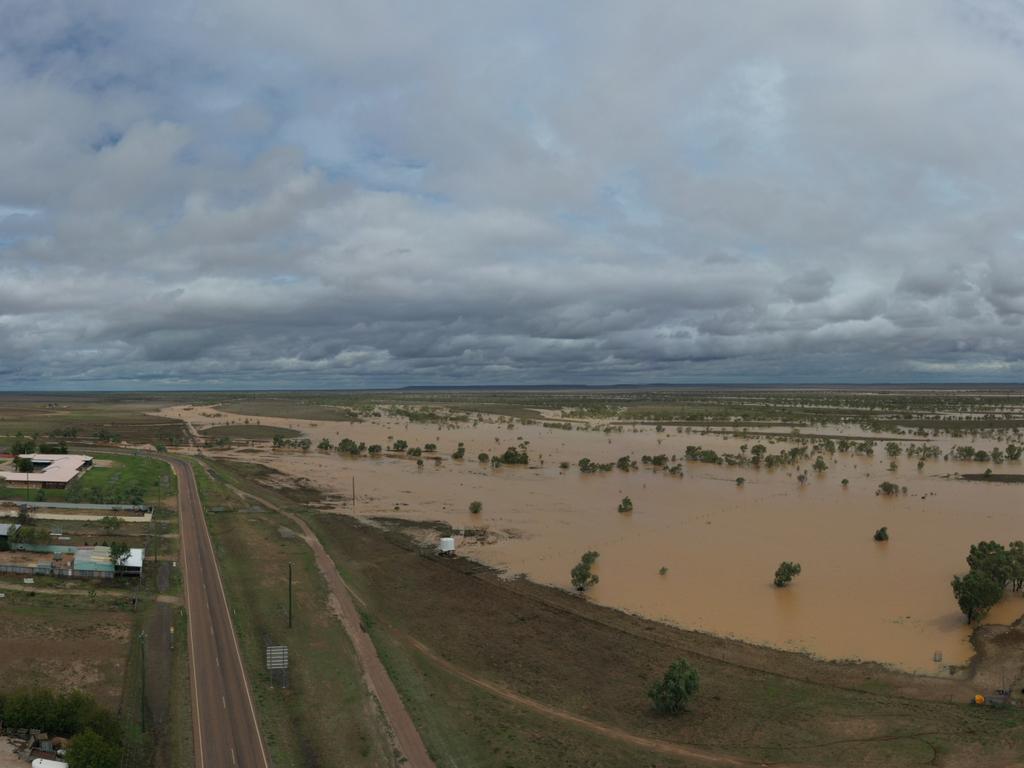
<point>225,727</point>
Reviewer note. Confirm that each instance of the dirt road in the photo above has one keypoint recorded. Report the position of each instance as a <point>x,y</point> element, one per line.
<point>404,734</point>
<point>225,726</point>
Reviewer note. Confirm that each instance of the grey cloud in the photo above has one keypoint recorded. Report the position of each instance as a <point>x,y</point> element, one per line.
<point>352,194</point>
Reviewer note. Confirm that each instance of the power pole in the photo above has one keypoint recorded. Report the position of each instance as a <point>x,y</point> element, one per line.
<point>289,595</point>
<point>142,711</point>
<point>353,493</point>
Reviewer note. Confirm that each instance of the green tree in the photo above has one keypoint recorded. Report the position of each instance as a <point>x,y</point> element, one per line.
<point>882,534</point>
<point>118,551</point>
<point>626,505</point>
<point>581,575</point>
<point>475,507</point>
<point>671,694</point>
<point>1015,553</point>
<point>820,465</point>
<point>785,573</point>
<point>992,559</point>
<point>89,750</point>
<point>975,593</point>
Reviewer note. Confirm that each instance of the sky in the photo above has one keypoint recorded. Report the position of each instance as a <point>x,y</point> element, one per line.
<point>325,194</point>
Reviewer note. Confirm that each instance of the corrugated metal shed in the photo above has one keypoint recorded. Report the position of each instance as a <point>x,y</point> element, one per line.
<point>96,559</point>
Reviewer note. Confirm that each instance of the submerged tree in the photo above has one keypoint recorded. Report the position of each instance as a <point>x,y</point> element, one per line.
<point>882,534</point>
<point>626,505</point>
<point>785,573</point>
<point>581,575</point>
<point>475,507</point>
<point>975,593</point>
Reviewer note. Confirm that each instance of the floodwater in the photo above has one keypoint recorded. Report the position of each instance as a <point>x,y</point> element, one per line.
<point>856,598</point>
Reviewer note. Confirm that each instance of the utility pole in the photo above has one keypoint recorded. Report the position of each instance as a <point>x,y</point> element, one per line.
<point>142,711</point>
<point>289,595</point>
<point>353,493</point>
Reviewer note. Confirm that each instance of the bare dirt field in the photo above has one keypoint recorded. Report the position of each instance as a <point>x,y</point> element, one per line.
<point>720,542</point>
<point>64,642</point>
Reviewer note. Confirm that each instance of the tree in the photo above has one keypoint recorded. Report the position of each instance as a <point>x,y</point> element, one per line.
<point>670,694</point>
<point>888,489</point>
<point>626,505</point>
<point>581,575</point>
<point>992,559</point>
<point>820,465</point>
<point>740,481</point>
<point>89,750</point>
<point>624,463</point>
<point>324,444</point>
<point>22,464</point>
<point>785,573</point>
<point>1015,553</point>
<point>975,593</point>
<point>482,457</point>
<point>118,551</point>
<point>882,534</point>
<point>475,507</point>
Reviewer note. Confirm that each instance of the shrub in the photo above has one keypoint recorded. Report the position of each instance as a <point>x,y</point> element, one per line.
<point>581,575</point>
<point>671,694</point>
<point>785,573</point>
<point>475,507</point>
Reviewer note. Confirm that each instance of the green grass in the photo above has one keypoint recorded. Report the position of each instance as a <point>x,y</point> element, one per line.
<point>115,484</point>
<point>250,432</point>
<point>325,717</point>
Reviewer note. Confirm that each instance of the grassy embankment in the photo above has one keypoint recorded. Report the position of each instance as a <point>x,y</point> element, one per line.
<point>325,717</point>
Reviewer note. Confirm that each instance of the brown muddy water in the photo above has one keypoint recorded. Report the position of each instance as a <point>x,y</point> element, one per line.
<point>856,598</point>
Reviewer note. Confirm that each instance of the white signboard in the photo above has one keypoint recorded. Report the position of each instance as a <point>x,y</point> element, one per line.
<point>277,657</point>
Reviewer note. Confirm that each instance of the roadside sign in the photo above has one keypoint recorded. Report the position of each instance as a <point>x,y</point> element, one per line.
<point>277,657</point>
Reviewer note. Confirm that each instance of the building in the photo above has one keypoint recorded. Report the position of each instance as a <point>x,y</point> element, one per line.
<point>69,562</point>
<point>49,470</point>
<point>6,531</point>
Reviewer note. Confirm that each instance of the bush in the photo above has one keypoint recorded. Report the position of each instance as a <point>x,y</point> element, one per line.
<point>475,507</point>
<point>882,534</point>
<point>785,573</point>
<point>581,575</point>
<point>483,458</point>
<point>671,694</point>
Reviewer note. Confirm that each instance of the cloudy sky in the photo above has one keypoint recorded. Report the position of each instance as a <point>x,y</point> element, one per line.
<point>329,194</point>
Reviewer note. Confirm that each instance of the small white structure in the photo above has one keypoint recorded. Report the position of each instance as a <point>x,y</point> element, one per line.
<point>447,546</point>
<point>40,762</point>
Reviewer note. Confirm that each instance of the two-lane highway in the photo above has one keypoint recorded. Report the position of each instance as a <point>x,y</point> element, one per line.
<point>225,727</point>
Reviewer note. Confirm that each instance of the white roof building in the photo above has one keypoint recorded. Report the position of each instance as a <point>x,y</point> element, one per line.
<point>49,468</point>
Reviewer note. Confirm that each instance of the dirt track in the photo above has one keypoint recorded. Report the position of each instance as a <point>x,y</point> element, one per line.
<point>403,732</point>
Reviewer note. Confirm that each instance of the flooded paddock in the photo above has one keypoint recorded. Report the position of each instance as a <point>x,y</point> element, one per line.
<point>720,542</point>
